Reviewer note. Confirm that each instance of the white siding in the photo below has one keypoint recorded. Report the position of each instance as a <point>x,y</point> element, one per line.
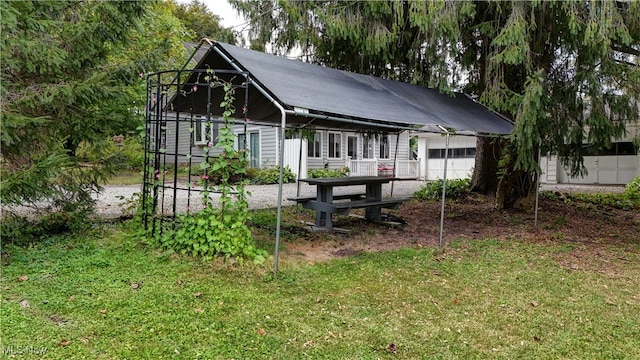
<point>337,163</point>
<point>178,132</point>
<point>433,169</point>
<point>269,143</point>
<point>606,170</point>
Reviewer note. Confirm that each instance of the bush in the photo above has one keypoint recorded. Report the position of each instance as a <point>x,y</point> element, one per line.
<point>629,200</point>
<point>20,230</point>
<point>632,190</point>
<point>328,173</point>
<point>252,173</point>
<point>127,155</point>
<point>271,176</point>
<point>455,189</point>
<point>212,232</point>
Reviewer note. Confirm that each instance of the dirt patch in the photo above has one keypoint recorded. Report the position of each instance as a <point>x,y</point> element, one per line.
<point>344,252</point>
<point>597,237</point>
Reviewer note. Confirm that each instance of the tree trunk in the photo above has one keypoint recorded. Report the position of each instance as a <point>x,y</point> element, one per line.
<point>516,188</point>
<point>485,171</point>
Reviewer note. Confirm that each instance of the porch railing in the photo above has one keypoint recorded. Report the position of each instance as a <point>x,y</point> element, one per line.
<point>375,167</point>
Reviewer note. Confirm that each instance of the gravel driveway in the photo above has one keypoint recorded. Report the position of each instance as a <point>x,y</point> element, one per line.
<point>109,202</point>
<point>266,196</point>
<point>262,196</point>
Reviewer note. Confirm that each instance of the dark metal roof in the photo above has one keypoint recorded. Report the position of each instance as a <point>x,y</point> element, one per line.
<point>372,102</point>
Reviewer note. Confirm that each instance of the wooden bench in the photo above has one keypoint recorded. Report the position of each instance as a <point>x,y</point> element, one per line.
<point>306,199</point>
<point>343,208</point>
<point>390,203</point>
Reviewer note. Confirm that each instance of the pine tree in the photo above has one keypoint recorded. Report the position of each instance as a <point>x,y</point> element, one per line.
<point>566,72</point>
<point>201,22</point>
<point>70,77</point>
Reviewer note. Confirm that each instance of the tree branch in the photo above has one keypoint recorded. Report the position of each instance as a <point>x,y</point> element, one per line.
<point>626,49</point>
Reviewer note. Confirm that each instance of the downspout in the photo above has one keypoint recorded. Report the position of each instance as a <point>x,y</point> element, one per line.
<point>444,183</point>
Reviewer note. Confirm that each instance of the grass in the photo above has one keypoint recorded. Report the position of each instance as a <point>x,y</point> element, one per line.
<point>105,296</point>
<point>126,178</point>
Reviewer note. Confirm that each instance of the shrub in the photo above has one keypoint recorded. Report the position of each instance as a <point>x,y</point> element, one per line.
<point>629,200</point>
<point>328,173</point>
<point>455,189</point>
<point>20,230</point>
<point>222,229</point>
<point>127,155</point>
<point>632,190</point>
<point>252,173</point>
<point>212,232</point>
<point>272,176</point>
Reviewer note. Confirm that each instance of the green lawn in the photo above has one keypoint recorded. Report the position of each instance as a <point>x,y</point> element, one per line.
<point>107,297</point>
<point>126,178</point>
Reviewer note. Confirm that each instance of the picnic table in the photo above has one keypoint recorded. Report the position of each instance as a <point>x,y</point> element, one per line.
<point>325,204</point>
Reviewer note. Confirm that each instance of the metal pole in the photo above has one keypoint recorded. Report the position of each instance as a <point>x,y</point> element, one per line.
<point>283,125</point>
<point>535,221</point>
<point>395,162</point>
<point>299,164</point>
<point>444,185</point>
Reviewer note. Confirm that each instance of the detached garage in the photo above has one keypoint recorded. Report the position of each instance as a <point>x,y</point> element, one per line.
<point>614,166</point>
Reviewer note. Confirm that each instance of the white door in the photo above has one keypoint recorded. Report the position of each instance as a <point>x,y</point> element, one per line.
<point>294,159</point>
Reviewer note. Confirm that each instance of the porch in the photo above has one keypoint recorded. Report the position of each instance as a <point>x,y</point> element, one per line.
<point>400,168</point>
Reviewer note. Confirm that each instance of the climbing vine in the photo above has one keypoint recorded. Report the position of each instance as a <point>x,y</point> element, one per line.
<point>218,230</point>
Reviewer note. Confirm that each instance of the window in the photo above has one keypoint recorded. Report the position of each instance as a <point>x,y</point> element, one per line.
<point>252,146</point>
<point>352,147</point>
<point>254,149</point>
<point>313,146</point>
<point>242,138</point>
<point>626,148</point>
<point>384,147</point>
<point>455,153</point>
<point>335,145</point>
<point>459,153</point>
<point>367,147</point>
<point>619,148</point>
<point>436,153</point>
<point>200,134</point>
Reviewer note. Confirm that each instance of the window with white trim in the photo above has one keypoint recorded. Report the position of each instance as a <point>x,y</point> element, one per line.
<point>368,146</point>
<point>335,144</point>
<point>200,134</point>
<point>384,146</point>
<point>352,147</point>
<point>314,145</point>
<point>455,153</point>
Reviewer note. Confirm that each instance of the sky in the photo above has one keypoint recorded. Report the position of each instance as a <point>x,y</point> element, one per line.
<point>226,12</point>
<point>230,18</point>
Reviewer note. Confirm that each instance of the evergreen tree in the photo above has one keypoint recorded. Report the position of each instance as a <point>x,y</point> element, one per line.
<point>201,22</point>
<point>566,72</point>
<point>70,76</point>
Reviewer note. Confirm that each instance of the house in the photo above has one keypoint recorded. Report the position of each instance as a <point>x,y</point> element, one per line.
<point>349,115</point>
<point>349,120</point>
<point>363,153</point>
